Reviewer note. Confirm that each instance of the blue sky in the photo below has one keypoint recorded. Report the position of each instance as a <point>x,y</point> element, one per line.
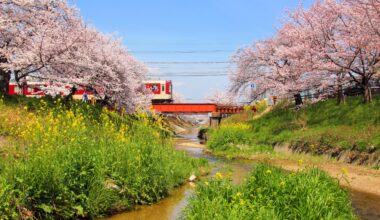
<point>205,31</point>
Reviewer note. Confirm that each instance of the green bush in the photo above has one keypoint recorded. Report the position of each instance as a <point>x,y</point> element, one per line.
<point>271,193</point>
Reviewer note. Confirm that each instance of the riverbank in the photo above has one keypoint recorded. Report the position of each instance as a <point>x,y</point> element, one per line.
<point>365,205</point>
<point>82,161</point>
<point>349,132</point>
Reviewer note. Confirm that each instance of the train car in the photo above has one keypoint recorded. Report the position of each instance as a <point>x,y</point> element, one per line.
<point>32,90</point>
<point>37,89</point>
<point>162,90</point>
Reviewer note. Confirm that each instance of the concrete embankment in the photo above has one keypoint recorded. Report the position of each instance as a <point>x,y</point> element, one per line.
<point>179,125</point>
<point>369,157</point>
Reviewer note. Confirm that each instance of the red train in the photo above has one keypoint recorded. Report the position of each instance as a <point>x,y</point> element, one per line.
<point>162,90</point>
<point>36,89</point>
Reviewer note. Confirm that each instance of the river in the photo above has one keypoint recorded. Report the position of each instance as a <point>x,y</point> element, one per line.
<point>367,206</point>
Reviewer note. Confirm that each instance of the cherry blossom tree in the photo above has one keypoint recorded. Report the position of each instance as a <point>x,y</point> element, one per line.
<point>330,44</point>
<point>367,10</point>
<point>103,62</point>
<point>362,32</point>
<point>251,70</point>
<point>34,33</point>
<point>342,41</point>
<point>221,97</point>
<point>275,66</point>
<point>178,98</point>
<point>48,39</point>
<point>319,34</point>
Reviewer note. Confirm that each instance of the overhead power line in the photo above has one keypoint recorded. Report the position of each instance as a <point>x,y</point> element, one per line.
<point>187,62</point>
<point>188,75</point>
<point>221,68</point>
<point>193,72</point>
<point>179,51</point>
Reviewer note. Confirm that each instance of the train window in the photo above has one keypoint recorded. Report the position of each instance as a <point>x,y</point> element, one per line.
<point>163,87</point>
<point>155,88</point>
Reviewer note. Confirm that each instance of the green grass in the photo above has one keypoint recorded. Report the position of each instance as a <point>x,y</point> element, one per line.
<point>350,126</point>
<point>325,124</point>
<point>234,138</point>
<point>81,161</point>
<point>271,193</point>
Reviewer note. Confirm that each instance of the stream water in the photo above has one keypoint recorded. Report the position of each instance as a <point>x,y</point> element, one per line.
<point>367,206</point>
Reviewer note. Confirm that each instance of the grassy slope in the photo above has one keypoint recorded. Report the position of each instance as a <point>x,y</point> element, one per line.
<point>349,126</point>
<point>82,161</point>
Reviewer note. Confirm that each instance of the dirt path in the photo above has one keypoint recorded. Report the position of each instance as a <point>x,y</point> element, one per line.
<point>183,142</point>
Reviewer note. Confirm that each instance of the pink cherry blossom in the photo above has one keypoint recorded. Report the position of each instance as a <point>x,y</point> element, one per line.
<point>48,39</point>
<point>331,44</point>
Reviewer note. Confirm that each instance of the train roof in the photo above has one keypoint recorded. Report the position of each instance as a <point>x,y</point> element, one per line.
<point>157,81</point>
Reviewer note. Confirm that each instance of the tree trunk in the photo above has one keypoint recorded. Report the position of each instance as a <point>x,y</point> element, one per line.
<point>69,97</point>
<point>341,97</point>
<point>5,77</point>
<point>367,94</point>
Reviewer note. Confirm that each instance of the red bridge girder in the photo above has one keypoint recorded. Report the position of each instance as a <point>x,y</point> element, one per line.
<point>197,108</point>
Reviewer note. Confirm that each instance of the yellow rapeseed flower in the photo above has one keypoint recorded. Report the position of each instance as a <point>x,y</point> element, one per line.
<point>219,175</point>
<point>242,202</point>
<point>300,162</point>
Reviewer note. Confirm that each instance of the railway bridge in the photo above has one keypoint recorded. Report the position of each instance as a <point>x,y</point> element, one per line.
<point>215,111</point>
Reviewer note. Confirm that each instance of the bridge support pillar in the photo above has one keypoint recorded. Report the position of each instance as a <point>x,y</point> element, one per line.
<point>215,119</point>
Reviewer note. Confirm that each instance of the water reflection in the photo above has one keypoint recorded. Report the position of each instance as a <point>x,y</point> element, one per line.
<point>168,208</point>
<point>366,205</point>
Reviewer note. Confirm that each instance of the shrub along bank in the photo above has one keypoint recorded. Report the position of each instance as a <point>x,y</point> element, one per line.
<point>271,193</point>
<point>315,127</point>
<point>83,161</point>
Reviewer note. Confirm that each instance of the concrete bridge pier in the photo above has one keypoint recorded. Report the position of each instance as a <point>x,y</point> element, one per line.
<point>215,119</point>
